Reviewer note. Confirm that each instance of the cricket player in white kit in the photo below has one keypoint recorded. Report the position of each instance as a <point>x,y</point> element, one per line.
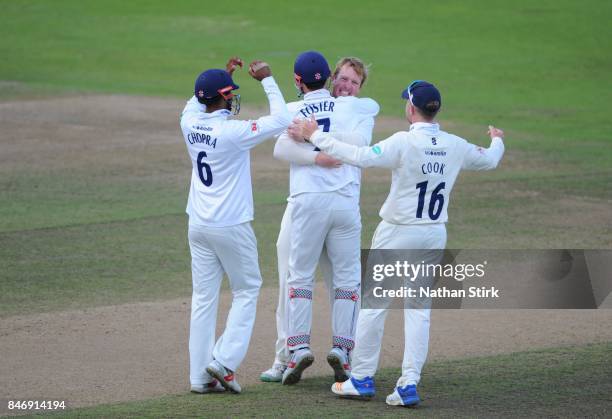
<point>220,209</point>
<point>325,212</point>
<point>425,162</point>
<point>348,78</point>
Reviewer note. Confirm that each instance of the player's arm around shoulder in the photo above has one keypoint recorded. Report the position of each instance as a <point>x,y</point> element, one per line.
<point>285,149</point>
<point>480,158</point>
<point>368,106</point>
<point>362,106</point>
<point>387,153</point>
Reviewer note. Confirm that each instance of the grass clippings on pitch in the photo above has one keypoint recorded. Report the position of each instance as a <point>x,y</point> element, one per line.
<point>562,382</point>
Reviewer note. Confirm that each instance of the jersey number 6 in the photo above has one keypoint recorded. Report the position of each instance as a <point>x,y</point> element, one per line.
<point>208,178</point>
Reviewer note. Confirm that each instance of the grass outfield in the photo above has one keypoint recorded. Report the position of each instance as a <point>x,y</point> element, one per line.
<point>563,382</point>
<point>539,70</point>
<point>81,228</point>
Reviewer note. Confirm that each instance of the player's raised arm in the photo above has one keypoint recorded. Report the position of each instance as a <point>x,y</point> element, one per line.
<point>254,132</point>
<point>479,158</point>
<point>386,153</point>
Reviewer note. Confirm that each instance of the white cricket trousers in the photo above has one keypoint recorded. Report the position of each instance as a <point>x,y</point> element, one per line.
<point>371,322</point>
<point>283,245</point>
<point>232,250</point>
<point>317,219</point>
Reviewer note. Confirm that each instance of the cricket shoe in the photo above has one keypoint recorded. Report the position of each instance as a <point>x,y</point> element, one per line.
<point>274,374</point>
<point>338,359</point>
<point>225,376</point>
<point>355,389</point>
<point>404,396</point>
<point>213,387</point>
<point>300,360</point>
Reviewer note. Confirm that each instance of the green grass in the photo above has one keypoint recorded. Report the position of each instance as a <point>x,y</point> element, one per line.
<point>73,238</point>
<point>82,228</point>
<point>563,382</point>
<point>532,68</point>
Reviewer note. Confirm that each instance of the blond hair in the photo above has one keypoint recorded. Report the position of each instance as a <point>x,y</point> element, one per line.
<point>360,68</point>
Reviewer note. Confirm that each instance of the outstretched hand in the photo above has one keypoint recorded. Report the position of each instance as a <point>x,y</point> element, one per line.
<point>301,130</point>
<point>495,132</point>
<point>259,70</point>
<point>232,64</point>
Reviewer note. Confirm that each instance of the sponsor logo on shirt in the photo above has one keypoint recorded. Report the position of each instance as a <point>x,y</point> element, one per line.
<point>253,126</point>
<point>377,150</point>
<point>435,153</point>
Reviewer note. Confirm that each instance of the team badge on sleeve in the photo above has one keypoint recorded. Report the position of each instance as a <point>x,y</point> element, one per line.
<point>254,126</point>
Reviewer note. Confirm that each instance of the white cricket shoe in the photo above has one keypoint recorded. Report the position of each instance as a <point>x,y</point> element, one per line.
<point>352,388</point>
<point>274,374</point>
<point>225,376</point>
<point>213,387</point>
<point>338,359</point>
<point>300,360</point>
<point>404,396</point>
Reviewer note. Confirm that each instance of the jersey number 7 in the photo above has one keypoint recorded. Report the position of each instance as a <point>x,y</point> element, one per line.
<point>325,123</point>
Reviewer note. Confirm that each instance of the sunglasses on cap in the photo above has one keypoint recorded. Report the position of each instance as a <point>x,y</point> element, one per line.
<point>411,86</point>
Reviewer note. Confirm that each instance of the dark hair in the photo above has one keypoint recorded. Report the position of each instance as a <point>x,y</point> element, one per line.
<point>316,85</point>
<point>430,109</point>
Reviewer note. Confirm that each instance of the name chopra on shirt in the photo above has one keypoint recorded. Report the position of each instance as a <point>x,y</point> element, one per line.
<point>197,137</point>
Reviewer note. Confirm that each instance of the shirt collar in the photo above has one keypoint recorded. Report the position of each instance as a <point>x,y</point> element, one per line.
<point>216,114</point>
<point>425,126</point>
<point>315,94</point>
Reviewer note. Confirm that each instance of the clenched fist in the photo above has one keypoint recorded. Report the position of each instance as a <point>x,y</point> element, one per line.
<point>232,64</point>
<point>259,70</point>
<point>495,132</point>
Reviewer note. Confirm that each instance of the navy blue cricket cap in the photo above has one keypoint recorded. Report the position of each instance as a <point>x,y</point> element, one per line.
<point>424,96</point>
<point>214,82</point>
<point>311,67</point>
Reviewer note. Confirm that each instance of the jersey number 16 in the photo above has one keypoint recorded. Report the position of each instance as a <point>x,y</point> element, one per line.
<point>437,200</point>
